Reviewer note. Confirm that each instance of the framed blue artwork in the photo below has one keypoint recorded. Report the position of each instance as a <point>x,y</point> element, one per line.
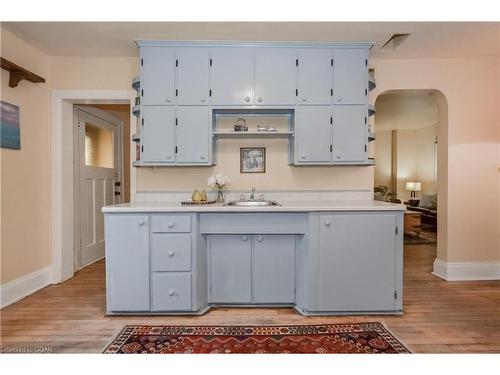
<point>9,126</point>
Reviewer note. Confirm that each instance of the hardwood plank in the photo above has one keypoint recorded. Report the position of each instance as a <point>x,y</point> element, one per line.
<point>439,316</point>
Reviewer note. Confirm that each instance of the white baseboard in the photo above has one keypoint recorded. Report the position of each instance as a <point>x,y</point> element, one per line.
<point>19,288</point>
<point>466,271</point>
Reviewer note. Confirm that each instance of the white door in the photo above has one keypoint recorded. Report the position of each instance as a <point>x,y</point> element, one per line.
<point>97,168</point>
<point>275,76</point>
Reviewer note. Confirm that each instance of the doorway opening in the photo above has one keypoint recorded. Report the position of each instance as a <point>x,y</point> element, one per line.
<point>101,157</point>
<point>408,127</point>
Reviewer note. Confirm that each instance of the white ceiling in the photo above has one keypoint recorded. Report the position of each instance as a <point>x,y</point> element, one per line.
<point>427,40</point>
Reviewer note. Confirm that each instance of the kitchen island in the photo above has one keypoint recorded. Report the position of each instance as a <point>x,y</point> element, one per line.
<point>321,257</point>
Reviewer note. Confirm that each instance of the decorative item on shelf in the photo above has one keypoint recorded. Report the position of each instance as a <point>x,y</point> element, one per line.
<point>266,128</point>
<point>204,195</point>
<point>241,125</point>
<point>196,196</point>
<point>138,152</point>
<point>413,187</point>
<point>137,100</point>
<point>219,184</point>
<point>252,160</point>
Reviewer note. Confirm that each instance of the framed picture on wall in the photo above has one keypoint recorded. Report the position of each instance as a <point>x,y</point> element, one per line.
<point>9,126</point>
<point>252,160</point>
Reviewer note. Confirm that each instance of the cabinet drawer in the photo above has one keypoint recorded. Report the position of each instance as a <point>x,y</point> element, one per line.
<point>171,291</point>
<point>171,252</point>
<point>171,224</point>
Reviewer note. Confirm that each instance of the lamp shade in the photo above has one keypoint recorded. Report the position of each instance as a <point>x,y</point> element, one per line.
<point>413,186</point>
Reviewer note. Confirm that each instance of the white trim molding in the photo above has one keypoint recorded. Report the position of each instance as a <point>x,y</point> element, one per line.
<point>466,271</point>
<point>23,286</point>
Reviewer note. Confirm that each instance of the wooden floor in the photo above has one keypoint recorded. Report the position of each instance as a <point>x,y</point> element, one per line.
<point>439,316</point>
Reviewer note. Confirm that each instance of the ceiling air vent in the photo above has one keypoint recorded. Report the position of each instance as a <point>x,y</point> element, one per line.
<point>394,42</point>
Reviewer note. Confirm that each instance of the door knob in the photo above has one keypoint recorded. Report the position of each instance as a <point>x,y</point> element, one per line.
<point>244,238</point>
<point>171,293</point>
<point>171,225</point>
<point>259,99</point>
<point>247,99</point>
<point>260,239</point>
<point>327,223</point>
<point>171,253</point>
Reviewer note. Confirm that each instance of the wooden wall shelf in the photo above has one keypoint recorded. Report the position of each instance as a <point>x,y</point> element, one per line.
<point>17,73</point>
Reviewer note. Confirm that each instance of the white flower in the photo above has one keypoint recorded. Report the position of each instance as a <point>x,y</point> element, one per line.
<point>212,181</point>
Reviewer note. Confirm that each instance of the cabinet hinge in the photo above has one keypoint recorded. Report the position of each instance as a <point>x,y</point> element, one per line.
<point>176,121</point>
<point>296,92</point>
<point>331,148</point>
<point>176,63</point>
<point>142,92</point>
<point>366,62</point>
<point>176,149</point>
<point>365,119</point>
<point>366,92</point>
<point>210,62</point>
<point>365,148</point>
<point>331,120</point>
<point>142,121</point>
<point>331,92</point>
<point>176,92</point>
<point>395,294</point>
<point>142,62</point>
<point>296,62</point>
<point>396,230</point>
<point>210,92</point>
<point>142,148</point>
<point>331,62</point>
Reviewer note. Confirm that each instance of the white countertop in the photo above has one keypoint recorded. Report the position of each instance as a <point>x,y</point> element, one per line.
<point>286,206</point>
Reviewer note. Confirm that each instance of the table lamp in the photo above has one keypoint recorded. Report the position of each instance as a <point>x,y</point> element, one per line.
<point>413,187</point>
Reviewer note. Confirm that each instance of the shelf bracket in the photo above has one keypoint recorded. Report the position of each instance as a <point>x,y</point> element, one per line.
<point>18,73</point>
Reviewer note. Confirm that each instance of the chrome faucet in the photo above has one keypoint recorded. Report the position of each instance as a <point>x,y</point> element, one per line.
<point>252,194</point>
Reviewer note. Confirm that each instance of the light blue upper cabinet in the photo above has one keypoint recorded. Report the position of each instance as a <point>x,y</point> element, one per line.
<point>315,76</point>
<point>313,135</point>
<point>193,134</point>
<point>232,76</point>
<point>193,66</point>
<point>157,76</point>
<point>349,133</point>
<point>350,75</point>
<point>275,76</point>
<point>157,138</point>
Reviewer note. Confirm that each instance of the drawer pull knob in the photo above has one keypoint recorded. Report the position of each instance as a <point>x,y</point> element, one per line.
<point>247,99</point>
<point>171,225</point>
<point>171,293</point>
<point>244,238</point>
<point>142,222</point>
<point>259,99</point>
<point>260,239</point>
<point>171,253</point>
<point>327,223</point>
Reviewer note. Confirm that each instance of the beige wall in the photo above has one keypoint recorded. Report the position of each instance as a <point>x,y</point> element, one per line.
<point>468,155</point>
<point>25,185</point>
<point>383,158</point>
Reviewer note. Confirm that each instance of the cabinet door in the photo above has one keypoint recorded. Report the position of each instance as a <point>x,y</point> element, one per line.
<point>192,76</point>
<point>193,134</point>
<point>357,262</point>
<point>158,76</point>
<point>275,76</point>
<point>349,133</point>
<point>232,76</point>
<point>313,135</point>
<point>157,139</point>
<point>273,275</point>
<point>127,262</point>
<point>350,76</point>
<point>315,76</point>
<point>230,269</point>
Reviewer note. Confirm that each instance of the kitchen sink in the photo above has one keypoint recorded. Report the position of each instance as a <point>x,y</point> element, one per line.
<point>252,203</point>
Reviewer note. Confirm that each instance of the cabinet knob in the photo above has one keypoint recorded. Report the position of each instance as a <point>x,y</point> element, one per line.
<point>169,100</point>
<point>171,253</point>
<point>142,222</point>
<point>203,100</point>
<point>202,158</point>
<point>327,223</point>
<point>338,155</point>
<point>303,156</point>
<point>171,225</point>
<point>304,99</point>
<point>168,157</point>
<point>259,239</point>
<point>247,99</point>
<point>244,238</point>
<point>339,99</point>
<point>171,293</point>
<point>259,99</point>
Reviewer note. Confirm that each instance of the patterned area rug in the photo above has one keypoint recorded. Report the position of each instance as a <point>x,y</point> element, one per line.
<point>331,338</point>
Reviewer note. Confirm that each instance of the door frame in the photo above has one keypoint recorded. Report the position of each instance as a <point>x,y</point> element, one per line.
<point>103,115</point>
<point>62,180</point>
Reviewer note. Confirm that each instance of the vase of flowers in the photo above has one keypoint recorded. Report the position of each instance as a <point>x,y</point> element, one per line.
<point>219,184</point>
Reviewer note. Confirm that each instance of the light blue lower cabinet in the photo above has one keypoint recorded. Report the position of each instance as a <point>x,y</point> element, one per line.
<point>171,291</point>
